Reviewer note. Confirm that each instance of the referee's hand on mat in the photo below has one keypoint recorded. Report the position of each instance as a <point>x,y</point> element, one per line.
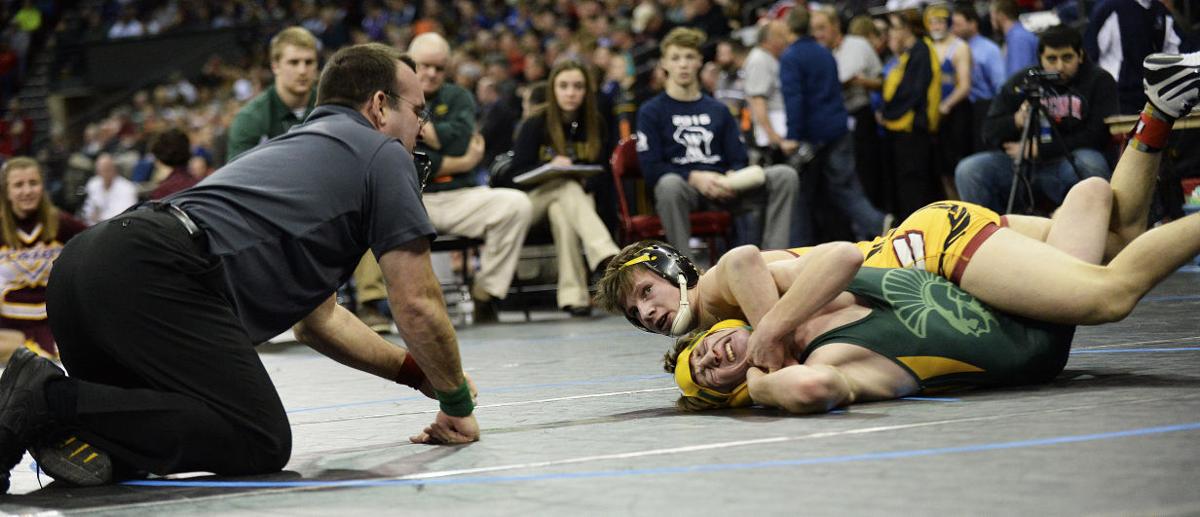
<point>449,430</point>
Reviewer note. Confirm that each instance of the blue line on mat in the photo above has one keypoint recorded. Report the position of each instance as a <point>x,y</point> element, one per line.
<point>503,389</point>
<point>932,399</point>
<point>1136,350</point>
<point>691,469</point>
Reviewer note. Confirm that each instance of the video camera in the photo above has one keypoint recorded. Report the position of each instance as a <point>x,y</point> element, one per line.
<point>1035,81</point>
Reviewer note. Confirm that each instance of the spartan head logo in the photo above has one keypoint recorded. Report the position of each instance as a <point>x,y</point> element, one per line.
<point>916,295</point>
<point>697,143</point>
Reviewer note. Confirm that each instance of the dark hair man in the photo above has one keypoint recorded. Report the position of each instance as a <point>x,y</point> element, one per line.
<point>157,311</point>
<point>1077,101</point>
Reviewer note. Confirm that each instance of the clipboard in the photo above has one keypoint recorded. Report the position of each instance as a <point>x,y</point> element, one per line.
<point>549,172</point>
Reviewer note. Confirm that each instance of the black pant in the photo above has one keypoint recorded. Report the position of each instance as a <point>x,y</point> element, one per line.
<point>915,184</point>
<point>166,378</point>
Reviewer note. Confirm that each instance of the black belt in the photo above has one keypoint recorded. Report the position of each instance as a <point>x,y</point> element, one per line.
<point>188,224</point>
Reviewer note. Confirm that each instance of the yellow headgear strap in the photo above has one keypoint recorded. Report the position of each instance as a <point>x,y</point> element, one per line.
<point>637,260</point>
<point>936,11</point>
<point>739,397</point>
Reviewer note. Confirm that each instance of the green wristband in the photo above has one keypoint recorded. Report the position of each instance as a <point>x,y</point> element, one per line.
<point>456,403</point>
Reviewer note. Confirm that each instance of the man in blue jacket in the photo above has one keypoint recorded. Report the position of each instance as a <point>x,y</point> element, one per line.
<point>818,126</point>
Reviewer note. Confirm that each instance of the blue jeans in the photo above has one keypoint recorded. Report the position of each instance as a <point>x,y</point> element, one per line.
<point>986,178</point>
<point>835,161</point>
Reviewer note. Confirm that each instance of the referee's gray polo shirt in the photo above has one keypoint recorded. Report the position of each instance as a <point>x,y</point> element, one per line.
<point>291,218</point>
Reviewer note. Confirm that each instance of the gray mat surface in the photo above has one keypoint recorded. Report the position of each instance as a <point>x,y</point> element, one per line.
<point>577,417</point>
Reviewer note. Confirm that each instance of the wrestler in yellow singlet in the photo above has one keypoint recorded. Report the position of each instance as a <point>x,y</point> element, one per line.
<point>940,238</point>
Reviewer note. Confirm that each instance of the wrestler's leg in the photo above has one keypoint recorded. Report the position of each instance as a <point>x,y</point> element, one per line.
<point>1079,227</point>
<point>1022,276</point>
<point>1133,183</point>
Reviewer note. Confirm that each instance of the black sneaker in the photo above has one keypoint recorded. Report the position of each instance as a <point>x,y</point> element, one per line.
<point>1172,82</point>
<point>579,312</point>
<point>485,312</point>
<point>70,460</point>
<point>23,411</point>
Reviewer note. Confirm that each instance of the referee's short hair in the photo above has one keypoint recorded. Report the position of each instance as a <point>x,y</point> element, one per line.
<point>355,73</point>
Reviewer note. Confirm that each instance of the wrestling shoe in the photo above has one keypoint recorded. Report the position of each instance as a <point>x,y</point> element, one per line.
<point>23,411</point>
<point>70,460</point>
<point>1172,82</point>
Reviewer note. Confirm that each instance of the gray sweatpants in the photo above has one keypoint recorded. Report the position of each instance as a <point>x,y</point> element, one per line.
<point>771,205</point>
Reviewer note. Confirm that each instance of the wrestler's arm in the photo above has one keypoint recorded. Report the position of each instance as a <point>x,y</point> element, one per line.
<point>742,279</point>
<point>837,374</point>
<point>807,284</point>
<point>801,388</point>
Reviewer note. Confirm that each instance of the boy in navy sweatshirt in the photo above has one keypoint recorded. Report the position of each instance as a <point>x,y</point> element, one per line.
<point>687,141</point>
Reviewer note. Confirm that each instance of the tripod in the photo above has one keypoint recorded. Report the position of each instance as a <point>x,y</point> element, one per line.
<point>1024,166</point>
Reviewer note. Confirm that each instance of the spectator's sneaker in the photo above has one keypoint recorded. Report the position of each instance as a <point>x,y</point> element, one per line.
<point>485,312</point>
<point>374,319</point>
<point>23,411</point>
<point>1172,82</point>
<point>70,460</point>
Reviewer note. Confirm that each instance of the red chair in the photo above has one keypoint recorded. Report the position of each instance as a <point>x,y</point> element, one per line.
<point>709,225</point>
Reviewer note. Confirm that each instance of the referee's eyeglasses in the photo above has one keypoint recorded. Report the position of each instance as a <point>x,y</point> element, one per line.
<point>422,114</point>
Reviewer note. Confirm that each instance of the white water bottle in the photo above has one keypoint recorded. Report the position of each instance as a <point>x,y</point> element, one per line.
<point>466,306</point>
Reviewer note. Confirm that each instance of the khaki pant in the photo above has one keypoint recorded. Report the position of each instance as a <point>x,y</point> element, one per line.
<point>368,280</point>
<point>499,216</point>
<point>577,231</point>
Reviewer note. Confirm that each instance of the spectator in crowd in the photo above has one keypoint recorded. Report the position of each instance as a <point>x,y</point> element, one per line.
<point>456,204</point>
<point>25,24</point>
<point>497,119</point>
<point>1076,104</point>
<point>128,26</point>
<point>617,92</point>
<point>912,92</point>
<point>287,101</point>
<point>763,92</point>
<point>817,124</point>
<point>706,16</point>
<point>10,73</point>
<point>731,83</point>
<point>1020,45</point>
<point>862,80</point>
<point>954,128</point>
<point>33,232</point>
<point>1121,33</point>
<point>172,151</point>
<point>569,131</point>
<point>865,27</point>
<point>687,144</point>
<point>987,67</point>
<point>108,192</point>
<point>16,131</point>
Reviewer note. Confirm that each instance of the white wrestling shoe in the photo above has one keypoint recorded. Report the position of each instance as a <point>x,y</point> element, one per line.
<point>1172,82</point>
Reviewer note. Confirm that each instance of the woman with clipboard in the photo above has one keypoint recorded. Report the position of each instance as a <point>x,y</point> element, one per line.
<point>558,142</point>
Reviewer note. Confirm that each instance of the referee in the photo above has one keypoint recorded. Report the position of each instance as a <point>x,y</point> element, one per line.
<point>157,311</point>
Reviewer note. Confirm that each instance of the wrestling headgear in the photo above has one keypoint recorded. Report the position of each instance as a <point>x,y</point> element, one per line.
<point>739,397</point>
<point>933,12</point>
<point>668,263</point>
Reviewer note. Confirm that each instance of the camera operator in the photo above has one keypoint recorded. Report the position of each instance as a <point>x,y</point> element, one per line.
<point>1076,96</point>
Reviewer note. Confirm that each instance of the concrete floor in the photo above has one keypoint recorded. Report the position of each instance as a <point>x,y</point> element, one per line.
<point>577,418</point>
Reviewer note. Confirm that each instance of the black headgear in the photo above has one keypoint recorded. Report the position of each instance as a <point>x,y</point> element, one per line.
<point>667,262</point>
